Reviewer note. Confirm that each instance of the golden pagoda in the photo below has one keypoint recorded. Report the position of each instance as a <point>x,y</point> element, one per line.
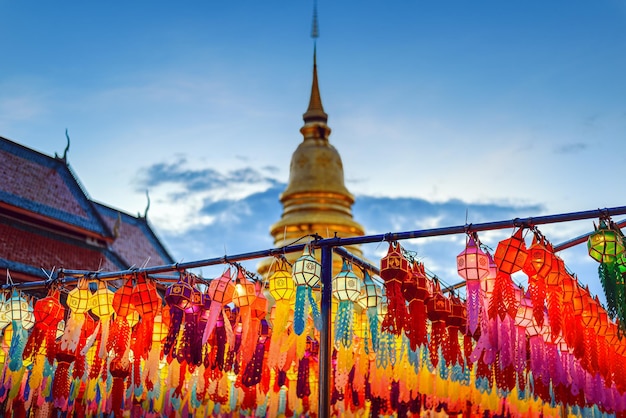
<point>316,200</point>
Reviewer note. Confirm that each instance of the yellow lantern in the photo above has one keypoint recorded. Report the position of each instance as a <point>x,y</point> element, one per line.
<point>102,301</point>
<point>79,298</point>
<point>281,284</point>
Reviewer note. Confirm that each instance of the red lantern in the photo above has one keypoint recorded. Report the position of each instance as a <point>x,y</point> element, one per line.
<point>539,261</point>
<point>438,308</point>
<point>122,299</point>
<point>145,297</point>
<point>48,312</point>
<point>394,269</point>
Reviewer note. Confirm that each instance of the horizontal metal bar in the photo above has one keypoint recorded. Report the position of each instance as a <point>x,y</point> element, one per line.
<point>337,242</point>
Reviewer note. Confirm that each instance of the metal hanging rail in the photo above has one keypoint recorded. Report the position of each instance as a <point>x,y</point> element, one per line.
<point>327,245</point>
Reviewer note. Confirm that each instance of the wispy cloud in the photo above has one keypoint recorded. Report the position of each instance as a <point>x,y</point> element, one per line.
<point>571,148</point>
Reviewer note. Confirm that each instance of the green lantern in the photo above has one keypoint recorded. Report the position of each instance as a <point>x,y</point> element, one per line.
<point>605,244</point>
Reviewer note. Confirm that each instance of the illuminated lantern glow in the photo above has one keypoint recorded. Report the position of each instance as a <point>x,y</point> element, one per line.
<point>511,253</point>
<point>346,289</point>
<point>394,269</point>
<point>306,273</point>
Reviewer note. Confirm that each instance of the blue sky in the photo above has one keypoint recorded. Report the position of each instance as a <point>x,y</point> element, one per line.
<point>493,104</point>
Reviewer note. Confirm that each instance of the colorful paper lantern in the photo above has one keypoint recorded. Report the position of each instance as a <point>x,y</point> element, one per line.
<point>472,263</point>
<point>605,244</point>
<point>346,289</point>
<point>511,253</point>
<point>221,291</point>
<point>394,269</point>
<point>306,274</point>
<point>370,300</point>
<point>281,284</point>
<point>306,269</point>
<point>101,302</point>
<point>346,284</point>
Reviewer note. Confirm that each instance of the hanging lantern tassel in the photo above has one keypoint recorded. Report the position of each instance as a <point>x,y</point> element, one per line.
<point>79,302</point>
<point>147,301</point>
<point>394,268</point>
<point>20,312</point>
<point>244,298</point>
<point>474,302</point>
<point>456,320</point>
<point>306,274</point>
<point>347,290</point>
<point>179,297</point>
<point>283,289</point>
<point>48,313</point>
<point>371,297</point>
<point>221,292</point>
<point>606,246</point>
<point>473,266</point>
<point>438,311</point>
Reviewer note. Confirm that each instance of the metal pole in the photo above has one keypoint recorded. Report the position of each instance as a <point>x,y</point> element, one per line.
<point>584,237</point>
<point>326,347</point>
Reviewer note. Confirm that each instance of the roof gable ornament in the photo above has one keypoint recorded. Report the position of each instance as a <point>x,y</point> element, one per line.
<point>67,148</point>
<point>145,213</point>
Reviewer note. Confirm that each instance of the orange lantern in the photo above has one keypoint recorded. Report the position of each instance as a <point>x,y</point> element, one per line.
<point>539,261</point>
<point>591,311</point>
<point>145,297</point>
<point>511,253</point>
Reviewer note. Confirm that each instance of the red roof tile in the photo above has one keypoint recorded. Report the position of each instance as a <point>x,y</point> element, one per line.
<point>46,250</point>
<point>135,243</point>
<point>37,183</point>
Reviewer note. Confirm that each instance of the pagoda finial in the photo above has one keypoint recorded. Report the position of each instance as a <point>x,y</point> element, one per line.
<point>315,112</point>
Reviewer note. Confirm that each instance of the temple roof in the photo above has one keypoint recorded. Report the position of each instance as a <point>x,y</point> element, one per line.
<point>48,220</point>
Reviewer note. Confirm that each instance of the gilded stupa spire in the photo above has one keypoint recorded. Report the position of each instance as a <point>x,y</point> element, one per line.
<point>315,112</point>
<point>316,200</point>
